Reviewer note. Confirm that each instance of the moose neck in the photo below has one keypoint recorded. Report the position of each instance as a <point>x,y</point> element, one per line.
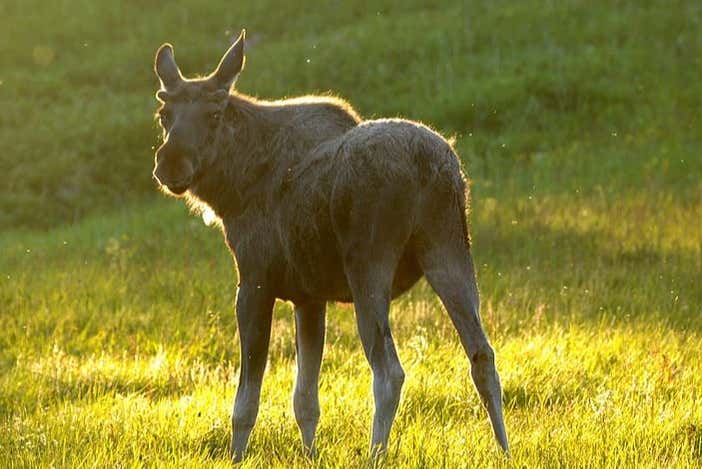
<point>241,174</point>
<point>258,147</point>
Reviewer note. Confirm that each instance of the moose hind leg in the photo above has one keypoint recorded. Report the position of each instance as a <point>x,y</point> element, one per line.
<point>309,343</point>
<point>452,276</point>
<point>373,222</point>
<point>371,295</point>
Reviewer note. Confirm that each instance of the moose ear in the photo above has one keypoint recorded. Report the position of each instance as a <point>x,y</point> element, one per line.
<point>231,64</point>
<point>166,68</point>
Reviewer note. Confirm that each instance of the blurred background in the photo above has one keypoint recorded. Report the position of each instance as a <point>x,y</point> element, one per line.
<point>548,96</point>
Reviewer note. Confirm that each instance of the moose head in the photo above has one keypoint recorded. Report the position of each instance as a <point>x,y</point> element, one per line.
<point>191,114</point>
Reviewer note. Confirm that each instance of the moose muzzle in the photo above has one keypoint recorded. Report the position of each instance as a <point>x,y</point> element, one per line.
<point>173,169</point>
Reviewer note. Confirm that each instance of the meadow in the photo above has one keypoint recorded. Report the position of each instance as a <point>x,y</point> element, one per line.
<point>578,124</point>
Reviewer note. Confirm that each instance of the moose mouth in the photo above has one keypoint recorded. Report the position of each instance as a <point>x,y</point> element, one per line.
<point>179,188</point>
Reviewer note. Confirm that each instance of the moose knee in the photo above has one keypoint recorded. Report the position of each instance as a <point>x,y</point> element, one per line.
<point>483,356</point>
<point>306,407</point>
<point>397,377</point>
<point>242,420</point>
<point>389,382</point>
<point>484,374</point>
<point>245,413</point>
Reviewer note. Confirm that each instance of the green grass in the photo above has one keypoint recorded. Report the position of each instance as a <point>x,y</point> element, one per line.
<point>579,125</point>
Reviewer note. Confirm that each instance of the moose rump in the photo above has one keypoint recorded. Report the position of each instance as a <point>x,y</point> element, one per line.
<point>366,197</point>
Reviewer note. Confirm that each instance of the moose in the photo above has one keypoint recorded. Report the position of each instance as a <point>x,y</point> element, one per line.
<point>317,205</point>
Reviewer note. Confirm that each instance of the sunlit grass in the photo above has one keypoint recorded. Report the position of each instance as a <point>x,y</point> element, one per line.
<point>108,358</point>
<point>578,396</point>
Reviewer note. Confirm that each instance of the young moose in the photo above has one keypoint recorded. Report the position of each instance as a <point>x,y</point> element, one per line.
<point>317,205</point>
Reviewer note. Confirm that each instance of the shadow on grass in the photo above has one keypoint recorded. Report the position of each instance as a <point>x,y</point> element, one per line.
<point>444,405</point>
<point>52,391</point>
<point>214,443</point>
<point>519,397</point>
<point>693,434</point>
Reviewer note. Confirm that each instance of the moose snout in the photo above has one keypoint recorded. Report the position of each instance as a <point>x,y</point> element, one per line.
<point>173,169</point>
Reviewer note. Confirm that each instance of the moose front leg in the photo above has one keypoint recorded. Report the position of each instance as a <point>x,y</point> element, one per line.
<point>254,310</point>
<point>309,343</point>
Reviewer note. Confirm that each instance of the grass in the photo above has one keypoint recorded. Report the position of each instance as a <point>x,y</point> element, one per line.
<point>579,125</point>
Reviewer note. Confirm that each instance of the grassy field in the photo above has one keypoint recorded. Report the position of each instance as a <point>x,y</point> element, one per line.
<point>579,125</point>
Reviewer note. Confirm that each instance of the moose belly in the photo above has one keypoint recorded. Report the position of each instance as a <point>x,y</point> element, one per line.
<point>322,278</point>
<point>313,270</point>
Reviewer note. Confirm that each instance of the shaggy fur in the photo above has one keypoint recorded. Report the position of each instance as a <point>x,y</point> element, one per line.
<point>317,205</point>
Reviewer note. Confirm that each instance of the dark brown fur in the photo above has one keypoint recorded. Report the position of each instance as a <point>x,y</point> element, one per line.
<point>297,183</point>
<point>317,205</point>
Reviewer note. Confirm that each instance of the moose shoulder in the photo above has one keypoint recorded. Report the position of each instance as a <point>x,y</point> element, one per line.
<point>317,205</point>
